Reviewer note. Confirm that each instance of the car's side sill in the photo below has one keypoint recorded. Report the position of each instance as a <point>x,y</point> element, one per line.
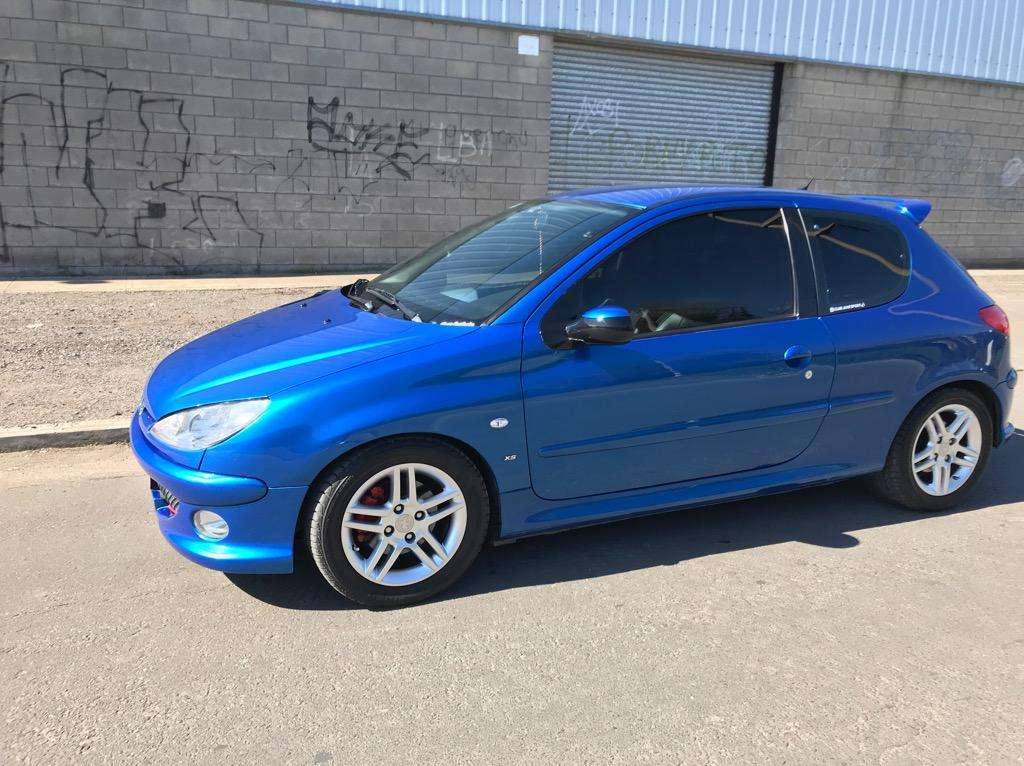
<point>524,514</point>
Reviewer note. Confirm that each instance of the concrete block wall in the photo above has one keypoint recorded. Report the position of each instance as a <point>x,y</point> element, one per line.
<point>200,136</point>
<point>958,143</point>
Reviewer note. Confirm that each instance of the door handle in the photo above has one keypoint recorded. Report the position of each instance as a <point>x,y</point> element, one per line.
<point>798,357</point>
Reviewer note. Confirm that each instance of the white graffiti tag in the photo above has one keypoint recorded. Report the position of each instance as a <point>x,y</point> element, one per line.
<point>595,114</point>
<point>1013,171</point>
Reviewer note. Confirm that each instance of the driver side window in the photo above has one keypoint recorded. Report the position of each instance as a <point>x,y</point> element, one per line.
<point>702,271</point>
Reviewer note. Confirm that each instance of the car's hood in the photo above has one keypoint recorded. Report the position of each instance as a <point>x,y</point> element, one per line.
<point>280,348</point>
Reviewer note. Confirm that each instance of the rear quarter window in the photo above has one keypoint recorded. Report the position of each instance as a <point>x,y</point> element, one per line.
<point>861,262</point>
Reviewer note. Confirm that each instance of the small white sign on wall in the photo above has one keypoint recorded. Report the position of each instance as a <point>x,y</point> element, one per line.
<point>529,45</point>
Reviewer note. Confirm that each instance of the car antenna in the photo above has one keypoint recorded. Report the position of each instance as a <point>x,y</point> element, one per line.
<point>808,184</point>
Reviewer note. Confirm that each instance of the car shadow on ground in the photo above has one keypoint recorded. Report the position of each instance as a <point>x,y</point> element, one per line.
<point>824,516</point>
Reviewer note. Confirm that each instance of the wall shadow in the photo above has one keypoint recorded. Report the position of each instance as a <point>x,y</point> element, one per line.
<point>825,516</point>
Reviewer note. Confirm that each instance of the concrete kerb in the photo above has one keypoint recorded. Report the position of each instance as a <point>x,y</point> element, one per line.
<point>110,431</point>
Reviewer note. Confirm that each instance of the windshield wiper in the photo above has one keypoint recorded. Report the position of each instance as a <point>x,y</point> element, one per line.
<point>388,299</point>
<point>355,289</point>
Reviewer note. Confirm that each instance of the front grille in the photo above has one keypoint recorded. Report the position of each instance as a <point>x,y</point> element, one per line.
<point>167,504</point>
<point>170,499</point>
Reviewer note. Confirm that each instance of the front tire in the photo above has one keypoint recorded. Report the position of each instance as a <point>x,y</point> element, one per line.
<point>398,522</point>
<point>939,453</point>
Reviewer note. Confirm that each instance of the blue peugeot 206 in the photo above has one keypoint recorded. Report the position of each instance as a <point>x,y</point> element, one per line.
<point>588,357</point>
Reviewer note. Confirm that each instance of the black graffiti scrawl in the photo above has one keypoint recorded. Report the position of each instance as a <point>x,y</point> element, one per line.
<point>76,124</point>
<point>380,147</point>
<point>122,175</point>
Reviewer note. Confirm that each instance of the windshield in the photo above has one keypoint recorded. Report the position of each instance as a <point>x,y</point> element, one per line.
<point>471,274</point>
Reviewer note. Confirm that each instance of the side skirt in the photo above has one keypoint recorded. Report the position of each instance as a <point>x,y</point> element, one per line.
<point>524,514</point>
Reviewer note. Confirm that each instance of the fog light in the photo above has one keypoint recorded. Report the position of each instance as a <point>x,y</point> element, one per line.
<point>209,525</point>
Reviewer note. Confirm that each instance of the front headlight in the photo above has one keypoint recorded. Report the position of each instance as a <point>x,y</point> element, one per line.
<point>202,427</point>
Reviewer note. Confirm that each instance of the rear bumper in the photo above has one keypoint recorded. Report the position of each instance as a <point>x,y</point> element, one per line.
<point>1004,392</point>
<point>1008,431</point>
<point>261,520</point>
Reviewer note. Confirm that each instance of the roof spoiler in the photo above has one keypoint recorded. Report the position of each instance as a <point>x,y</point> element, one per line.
<point>915,209</point>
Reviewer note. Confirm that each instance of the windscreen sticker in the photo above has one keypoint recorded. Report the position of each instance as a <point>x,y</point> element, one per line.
<point>847,307</point>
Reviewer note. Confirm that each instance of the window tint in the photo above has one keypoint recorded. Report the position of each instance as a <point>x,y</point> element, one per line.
<point>697,272</point>
<point>861,262</point>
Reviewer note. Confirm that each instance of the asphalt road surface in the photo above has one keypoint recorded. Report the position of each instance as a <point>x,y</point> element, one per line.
<point>817,626</point>
<point>820,626</point>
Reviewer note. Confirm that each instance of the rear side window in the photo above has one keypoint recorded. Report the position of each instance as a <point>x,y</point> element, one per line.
<point>861,262</point>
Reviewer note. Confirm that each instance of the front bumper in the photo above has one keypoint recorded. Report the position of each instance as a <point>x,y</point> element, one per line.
<point>261,519</point>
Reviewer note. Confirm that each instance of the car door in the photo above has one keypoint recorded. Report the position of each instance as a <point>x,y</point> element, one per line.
<point>723,373</point>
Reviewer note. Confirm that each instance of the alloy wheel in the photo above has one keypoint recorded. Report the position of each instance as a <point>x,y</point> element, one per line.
<point>947,450</point>
<point>404,524</point>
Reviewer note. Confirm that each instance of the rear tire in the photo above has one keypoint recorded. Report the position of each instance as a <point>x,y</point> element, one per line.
<point>380,529</point>
<point>947,438</point>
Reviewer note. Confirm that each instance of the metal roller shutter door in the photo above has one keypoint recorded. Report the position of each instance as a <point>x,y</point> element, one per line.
<point>622,116</point>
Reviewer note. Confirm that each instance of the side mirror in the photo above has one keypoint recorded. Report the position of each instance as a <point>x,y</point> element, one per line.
<point>605,324</point>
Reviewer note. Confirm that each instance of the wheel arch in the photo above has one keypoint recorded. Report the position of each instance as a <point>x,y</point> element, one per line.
<point>984,392</point>
<point>493,498</point>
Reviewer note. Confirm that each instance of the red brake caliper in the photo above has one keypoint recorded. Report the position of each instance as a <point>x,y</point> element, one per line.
<point>376,495</point>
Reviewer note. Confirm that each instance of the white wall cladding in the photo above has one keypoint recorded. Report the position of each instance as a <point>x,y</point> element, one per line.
<point>978,39</point>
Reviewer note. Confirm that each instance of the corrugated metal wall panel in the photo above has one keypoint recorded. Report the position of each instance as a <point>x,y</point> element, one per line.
<point>979,39</point>
<point>625,116</point>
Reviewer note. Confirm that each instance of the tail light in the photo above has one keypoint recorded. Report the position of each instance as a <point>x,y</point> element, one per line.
<point>995,318</point>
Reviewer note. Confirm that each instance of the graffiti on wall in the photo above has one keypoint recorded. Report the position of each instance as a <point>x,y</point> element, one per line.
<point>595,129</point>
<point>74,135</point>
<point>595,115</point>
<point>75,140</point>
<point>937,158</point>
<point>364,153</point>
<point>936,163</point>
<point>1012,173</point>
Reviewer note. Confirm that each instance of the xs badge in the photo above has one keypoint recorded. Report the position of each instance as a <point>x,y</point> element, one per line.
<point>510,458</point>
